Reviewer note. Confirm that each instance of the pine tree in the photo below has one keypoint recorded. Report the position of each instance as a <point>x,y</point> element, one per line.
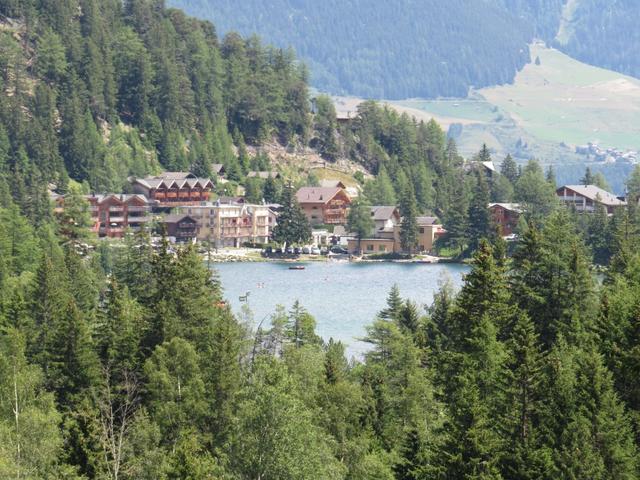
<point>524,457</point>
<point>31,440</point>
<point>509,169</point>
<point>360,220</point>
<point>293,226</point>
<point>479,219</point>
<point>409,224</point>
<point>223,357</point>
<point>394,305</point>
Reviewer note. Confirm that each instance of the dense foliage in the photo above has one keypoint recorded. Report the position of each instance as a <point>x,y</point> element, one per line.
<point>431,48</point>
<point>95,91</point>
<point>389,49</point>
<point>124,362</point>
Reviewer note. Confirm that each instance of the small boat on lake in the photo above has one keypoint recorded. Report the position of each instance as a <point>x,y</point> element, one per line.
<point>297,267</point>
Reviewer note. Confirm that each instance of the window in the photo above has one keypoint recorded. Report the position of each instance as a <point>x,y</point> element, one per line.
<point>370,248</point>
<point>421,230</point>
<point>382,248</point>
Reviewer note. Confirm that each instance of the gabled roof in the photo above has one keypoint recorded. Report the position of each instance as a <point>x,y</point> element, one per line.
<point>177,218</point>
<point>172,180</point>
<point>383,212</point>
<point>319,195</point>
<point>217,168</point>
<point>489,166</point>
<point>427,221</point>
<point>512,207</point>
<point>594,193</point>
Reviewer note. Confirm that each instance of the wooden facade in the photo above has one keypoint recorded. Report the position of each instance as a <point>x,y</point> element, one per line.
<point>181,228</point>
<point>328,206</point>
<point>174,188</point>
<point>505,216</point>
<point>113,214</point>
<point>585,198</point>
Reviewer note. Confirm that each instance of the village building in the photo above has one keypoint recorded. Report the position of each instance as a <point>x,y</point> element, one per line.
<point>218,169</point>
<point>113,214</point>
<point>328,206</point>
<point>505,216</point>
<point>429,230</point>
<point>180,228</point>
<point>585,198</point>
<point>231,224</point>
<point>385,237</point>
<point>171,189</point>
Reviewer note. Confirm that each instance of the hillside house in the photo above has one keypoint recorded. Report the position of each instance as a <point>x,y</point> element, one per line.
<point>329,206</point>
<point>171,189</point>
<point>505,216</point>
<point>585,198</point>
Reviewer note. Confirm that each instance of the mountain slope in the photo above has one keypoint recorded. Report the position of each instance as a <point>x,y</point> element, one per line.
<point>430,48</point>
<point>425,48</point>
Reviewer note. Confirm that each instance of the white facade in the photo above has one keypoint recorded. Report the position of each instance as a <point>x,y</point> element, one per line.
<point>232,225</point>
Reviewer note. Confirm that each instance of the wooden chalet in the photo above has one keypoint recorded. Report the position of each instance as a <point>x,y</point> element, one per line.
<point>171,189</point>
<point>182,228</point>
<point>505,216</point>
<point>585,198</point>
<point>113,214</point>
<point>329,206</point>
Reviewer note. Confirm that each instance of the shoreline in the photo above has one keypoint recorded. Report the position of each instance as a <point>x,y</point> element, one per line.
<point>246,255</point>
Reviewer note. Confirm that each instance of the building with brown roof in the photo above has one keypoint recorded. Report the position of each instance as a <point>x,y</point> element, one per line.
<point>324,205</point>
<point>505,216</point>
<point>585,198</point>
<point>181,228</point>
<point>113,214</point>
<point>170,189</point>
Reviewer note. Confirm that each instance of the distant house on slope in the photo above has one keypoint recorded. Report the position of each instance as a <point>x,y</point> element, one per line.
<point>505,216</point>
<point>585,198</point>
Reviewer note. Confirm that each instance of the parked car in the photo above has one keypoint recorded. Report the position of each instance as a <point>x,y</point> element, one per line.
<point>314,251</point>
<point>339,250</point>
<point>297,250</point>
<point>306,250</point>
<point>289,250</point>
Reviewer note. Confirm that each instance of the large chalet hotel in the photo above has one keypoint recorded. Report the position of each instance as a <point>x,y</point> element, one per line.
<point>173,188</point>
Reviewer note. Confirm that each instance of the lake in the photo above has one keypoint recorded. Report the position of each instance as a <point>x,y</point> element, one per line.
<point>343,297</point>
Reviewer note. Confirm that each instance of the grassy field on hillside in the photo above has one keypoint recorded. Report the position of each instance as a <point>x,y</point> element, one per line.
<point>553,107</point>
<point>564,100</point>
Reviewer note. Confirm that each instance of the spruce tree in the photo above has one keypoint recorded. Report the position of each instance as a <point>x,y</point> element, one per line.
<point>479,226</point>
<point>293,226</point>
<point>509,169</point>
<point>409,224</point>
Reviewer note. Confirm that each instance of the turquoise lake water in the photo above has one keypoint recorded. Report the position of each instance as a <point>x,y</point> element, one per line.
<point>343,297</point>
